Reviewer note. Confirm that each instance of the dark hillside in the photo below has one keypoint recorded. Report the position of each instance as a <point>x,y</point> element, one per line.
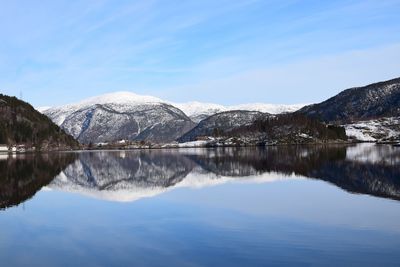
<point>20,123</point>
<point>373,101</point>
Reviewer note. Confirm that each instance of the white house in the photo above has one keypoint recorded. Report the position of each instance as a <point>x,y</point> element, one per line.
<point>21,148</point>
<point>3,148</point>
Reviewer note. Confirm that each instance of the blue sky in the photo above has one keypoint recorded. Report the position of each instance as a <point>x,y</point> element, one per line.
<point>229,52</point>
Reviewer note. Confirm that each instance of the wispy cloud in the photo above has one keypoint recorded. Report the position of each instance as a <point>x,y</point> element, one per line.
<point>310,80</point>
<point>184,50</point>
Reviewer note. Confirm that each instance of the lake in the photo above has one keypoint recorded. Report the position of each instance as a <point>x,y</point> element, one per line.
<point>273,206</point>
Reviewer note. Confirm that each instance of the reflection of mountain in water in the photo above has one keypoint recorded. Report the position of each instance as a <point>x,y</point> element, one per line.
<point>23,175</point>
<point>366,169</point>
<point>376,172</point>
<point>129,175</point>
<point>123,175</point>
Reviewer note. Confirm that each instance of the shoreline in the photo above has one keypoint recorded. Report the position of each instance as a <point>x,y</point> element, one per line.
<point>177,147</point>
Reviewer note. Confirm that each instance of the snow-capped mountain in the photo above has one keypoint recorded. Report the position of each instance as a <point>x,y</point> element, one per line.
<point>121,115</point>
<point>128,116</point>
<point>199,111</point>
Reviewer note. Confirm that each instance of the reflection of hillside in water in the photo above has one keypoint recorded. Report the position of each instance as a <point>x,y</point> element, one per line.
<point>366,169</point>
<point>129,175</point>
<point>21,176</point>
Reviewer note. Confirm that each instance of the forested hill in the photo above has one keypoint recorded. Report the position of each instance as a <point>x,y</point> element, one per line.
<point>377,100</point>
<point>252,128</point>
<point>20,123</point>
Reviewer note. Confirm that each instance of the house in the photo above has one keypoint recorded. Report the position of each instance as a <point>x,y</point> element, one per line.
<point>3,148</point>
<point>21,148</point>
<point>18,149</point>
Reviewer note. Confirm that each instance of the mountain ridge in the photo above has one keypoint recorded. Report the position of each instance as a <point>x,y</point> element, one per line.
<point>381,99</point>
<point>195,110</point>
<point>198,111</point>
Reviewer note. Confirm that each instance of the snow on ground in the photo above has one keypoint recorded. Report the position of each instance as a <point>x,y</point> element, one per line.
<point>305,135</point>
<point>358,133</point>
<point>374,130</point>
<point>200,143</point>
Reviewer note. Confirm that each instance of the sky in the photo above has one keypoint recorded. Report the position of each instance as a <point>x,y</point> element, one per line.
<point>54,52</point>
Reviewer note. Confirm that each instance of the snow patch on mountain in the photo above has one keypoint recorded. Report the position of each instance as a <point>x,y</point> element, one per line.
<point>120,98</point>
<point>268,108</point>
<point>42,109</point>
<point>383,129</point>
<point>120,101</point>
<point>198,111</point>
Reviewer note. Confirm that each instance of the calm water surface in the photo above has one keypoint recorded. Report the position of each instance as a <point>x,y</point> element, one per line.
<point>278,206</point>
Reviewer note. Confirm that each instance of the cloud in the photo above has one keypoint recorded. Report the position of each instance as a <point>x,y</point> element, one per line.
<point>220,51</point>
<point>302,81</point>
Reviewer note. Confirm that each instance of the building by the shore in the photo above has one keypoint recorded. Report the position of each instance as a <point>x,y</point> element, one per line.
<point>14,149</point>
<point>3,148</point>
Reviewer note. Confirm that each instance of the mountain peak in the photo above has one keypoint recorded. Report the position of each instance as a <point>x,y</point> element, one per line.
<point>122,97</point>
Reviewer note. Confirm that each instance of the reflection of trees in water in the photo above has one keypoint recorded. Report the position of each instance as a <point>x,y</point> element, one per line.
<point>371,171</point>
<point>23,176</point>
<point>251,161</point>
<point>365,178</point>
<point>379,177</point>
